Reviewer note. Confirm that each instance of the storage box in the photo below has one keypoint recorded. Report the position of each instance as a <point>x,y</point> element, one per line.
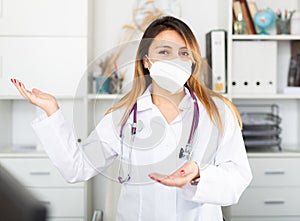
<point>254,69</point>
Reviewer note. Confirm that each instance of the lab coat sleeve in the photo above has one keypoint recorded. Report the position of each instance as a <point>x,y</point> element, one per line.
<point>223,182</point>
<point>72,159</point>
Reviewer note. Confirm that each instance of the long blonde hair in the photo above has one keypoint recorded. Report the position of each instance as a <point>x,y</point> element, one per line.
<point>140,82</point>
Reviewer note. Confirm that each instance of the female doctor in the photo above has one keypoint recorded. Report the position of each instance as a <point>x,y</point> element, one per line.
<point>195,161</point>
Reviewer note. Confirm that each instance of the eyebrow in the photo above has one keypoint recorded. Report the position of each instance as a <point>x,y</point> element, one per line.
<point>169,47</point>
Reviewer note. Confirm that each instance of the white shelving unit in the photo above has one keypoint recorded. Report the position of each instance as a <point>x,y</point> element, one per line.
<point>287,101</point>
<point>267,198</point>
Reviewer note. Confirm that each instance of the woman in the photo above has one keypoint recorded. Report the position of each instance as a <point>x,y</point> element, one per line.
<point>212,169</point>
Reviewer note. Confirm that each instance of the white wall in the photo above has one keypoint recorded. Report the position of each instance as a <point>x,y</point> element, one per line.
<point>110,16</point>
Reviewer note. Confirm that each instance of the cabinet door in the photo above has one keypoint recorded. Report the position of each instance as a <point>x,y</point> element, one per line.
<point>61,202</point>
<point>55,65</point>
<point>269,172</point>
<point>267,201</point>
<point>43,17</point>
<point>35,172</point>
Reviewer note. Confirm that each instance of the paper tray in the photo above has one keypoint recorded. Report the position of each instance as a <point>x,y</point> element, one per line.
<point>261,131</point>
<point>262,142</point>
<point>260,119</point>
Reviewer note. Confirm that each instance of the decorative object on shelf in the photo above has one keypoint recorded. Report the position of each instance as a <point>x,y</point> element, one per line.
<point>242,18</point>
<point>108,79</point>
<point>261,126</point>
<point>283,22</point>
<point>247,16</point>
<point>146,11</point>
<point>239,25</point>
<point>264,20</point>
<point>102,84</point>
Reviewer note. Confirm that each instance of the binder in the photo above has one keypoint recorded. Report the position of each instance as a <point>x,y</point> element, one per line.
<point>216,53</point>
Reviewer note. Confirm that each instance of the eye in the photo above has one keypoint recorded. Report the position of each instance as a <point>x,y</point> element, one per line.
<point>184,53</point>
<point>163,52</point>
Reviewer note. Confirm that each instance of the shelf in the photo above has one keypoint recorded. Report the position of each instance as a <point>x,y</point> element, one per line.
<point>266,37</point>
<point>265,96</point>
<point>8,152</point>
<point>287,151</point>
<point>104,96</point>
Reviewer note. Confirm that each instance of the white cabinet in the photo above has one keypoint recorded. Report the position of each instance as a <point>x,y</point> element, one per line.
<point>43,43</point>
<point>274,190</point>
<point>43,17</point>
<point>64,201</point>
<point>56,65</point>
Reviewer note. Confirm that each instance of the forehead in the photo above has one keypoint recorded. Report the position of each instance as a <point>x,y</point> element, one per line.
<point>168,37</point>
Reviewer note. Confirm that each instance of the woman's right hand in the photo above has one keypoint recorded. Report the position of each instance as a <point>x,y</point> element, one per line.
<point>43,100</point>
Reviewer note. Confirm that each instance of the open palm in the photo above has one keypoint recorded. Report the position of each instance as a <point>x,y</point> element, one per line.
<point>43,100</point>
<point>182,176</point>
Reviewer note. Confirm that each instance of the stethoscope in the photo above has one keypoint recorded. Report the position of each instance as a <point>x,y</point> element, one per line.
<point>184,153</point>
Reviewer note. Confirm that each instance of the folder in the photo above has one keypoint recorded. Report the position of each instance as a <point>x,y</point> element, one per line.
<point>216,53</point>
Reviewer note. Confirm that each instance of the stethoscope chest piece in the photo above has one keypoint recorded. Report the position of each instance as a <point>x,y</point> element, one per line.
<point>186,153</point>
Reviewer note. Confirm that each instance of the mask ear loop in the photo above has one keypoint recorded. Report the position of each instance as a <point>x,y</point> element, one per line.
<point>146,56</point>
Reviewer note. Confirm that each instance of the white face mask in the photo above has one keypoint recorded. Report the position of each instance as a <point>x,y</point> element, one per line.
<point>171,75</point>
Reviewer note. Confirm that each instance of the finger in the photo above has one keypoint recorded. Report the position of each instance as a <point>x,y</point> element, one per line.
<point>163,179</point>
<point>157,177</point>
<point>36,91</point>
<point>179,179</point>
<point>17,85</point>
<point>27,94</point>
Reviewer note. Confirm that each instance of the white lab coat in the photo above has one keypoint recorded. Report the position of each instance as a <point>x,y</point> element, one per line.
<point>224,168</point>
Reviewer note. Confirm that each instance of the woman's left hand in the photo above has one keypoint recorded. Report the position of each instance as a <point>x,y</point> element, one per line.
<point>184,175</point>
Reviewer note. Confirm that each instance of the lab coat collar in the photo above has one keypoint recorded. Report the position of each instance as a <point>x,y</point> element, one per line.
<point>144,102</point>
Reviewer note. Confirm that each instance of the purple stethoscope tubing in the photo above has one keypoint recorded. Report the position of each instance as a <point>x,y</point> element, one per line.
<point>194,122</point>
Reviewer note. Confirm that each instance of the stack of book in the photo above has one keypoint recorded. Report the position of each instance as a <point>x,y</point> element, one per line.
<point>261,129</point>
